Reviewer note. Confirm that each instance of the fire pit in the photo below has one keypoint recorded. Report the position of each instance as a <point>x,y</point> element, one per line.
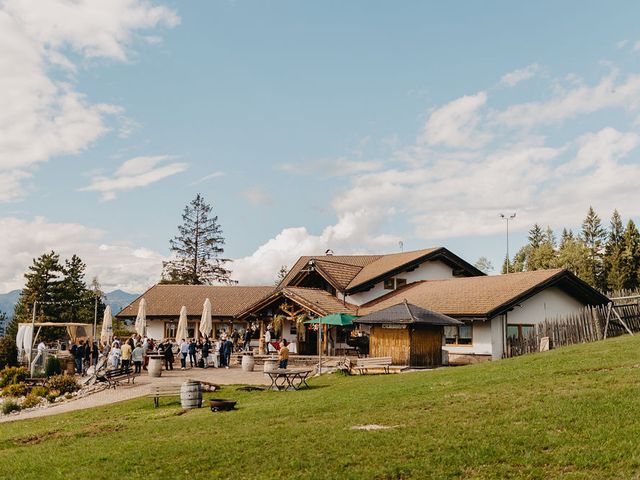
<point>218,404</point>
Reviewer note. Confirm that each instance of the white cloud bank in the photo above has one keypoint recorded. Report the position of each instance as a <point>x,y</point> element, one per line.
<point>42,116</point>
<point>116,266</point>
<point>511,79</point>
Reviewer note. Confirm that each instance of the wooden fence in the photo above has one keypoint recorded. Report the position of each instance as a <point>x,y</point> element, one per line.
<point>587,325</point>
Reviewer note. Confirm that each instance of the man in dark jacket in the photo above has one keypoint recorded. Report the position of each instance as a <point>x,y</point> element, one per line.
<point>227,348</point>
<point>167,351</point>
<point>192,352</point>
<point>206,347</point>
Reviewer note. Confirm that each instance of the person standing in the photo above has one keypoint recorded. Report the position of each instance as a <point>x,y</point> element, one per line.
<point>184,352</point>
<point>192,352</point>
<point>247,339</point>
<point>116,354</point>
<point>227,348</point>
<point>86,360</point>
<point>79,357</point>
<point>206,347</point>
<point>95,353</point>
<point>168,355</point>
<point>283,354</point>
<point>126,355</point>
<point>136,356</point>
<point>235,336</point>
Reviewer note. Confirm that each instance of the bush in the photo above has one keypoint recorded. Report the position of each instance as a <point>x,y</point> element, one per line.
<point>40,391</point>
<point>9,406</point>
<point>31,400</point>
<point>52,367</point>
<point>13,375</point>
<point>15,390</point>
<point>51,397</point>
<point>63,383</point>
<point>8,352</point>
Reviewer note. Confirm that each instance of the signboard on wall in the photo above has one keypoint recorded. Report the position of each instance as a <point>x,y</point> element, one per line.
<point>393,325</point>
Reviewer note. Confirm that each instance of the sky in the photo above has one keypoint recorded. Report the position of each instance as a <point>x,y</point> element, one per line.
<point>361,126</point>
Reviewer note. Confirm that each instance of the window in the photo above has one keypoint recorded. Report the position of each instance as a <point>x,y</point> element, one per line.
<point>394,283</point>
<point>458,335</point>
<point>518,332</point>
<point>171,327</point>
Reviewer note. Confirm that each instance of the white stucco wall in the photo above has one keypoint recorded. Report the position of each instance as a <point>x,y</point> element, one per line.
<point>155,329</point>
<point>488,337</point>
<point>431,270</point>
<point>548,303</point>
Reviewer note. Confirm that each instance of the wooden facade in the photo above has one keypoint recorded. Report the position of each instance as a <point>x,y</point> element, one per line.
<point>413,345</point>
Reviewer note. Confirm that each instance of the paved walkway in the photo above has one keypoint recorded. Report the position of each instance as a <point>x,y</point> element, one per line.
<point>221,376</point>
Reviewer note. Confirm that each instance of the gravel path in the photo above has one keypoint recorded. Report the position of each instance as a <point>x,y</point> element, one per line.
<point>231,376</point>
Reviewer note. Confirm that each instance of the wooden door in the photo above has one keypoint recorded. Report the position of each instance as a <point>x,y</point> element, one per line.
<point>390,342</point>
<point>426,346</point>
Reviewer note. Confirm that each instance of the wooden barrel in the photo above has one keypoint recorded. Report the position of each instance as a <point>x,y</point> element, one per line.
<point>191,394</point>
<point>155,365</point>
<point>248,363</point>
<point>270,365</point>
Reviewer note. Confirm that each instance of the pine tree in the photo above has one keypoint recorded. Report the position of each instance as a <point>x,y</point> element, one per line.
<point>536,236</point>
<point>484,265</point>
<point>613,256</point>
<point>572,254</point>
<point>281,274</point>
<point>631,256</point>
<point>197,249</point>
<point>593,236</point>
<point>43,284</point>
<point>74,291</point>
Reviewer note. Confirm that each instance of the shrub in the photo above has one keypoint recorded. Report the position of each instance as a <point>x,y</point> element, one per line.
<point>40,391</point>
<point>63,383</point>
<point>12,375</point>
<point>8,352</point>
<point>52,367</point>
<point>51,397</point>
<point>31,400</point>
<point>15,390</point>
<point>9,406</point>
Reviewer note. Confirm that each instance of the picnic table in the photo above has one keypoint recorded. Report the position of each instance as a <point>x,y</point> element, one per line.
<point>289,378</point>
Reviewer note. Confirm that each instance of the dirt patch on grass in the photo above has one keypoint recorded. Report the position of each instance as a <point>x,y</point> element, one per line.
<point>374,426</point>
<point>35,439</point>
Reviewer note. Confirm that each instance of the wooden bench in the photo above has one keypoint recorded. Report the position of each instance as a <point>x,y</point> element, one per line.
<point>157,391</point>
<point>364,364</point>
<point>113,377</point>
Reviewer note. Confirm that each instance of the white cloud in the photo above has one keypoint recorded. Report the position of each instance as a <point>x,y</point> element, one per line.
<point>511,79</point>
<point>257,196</point>
<point>621,44</point>
<point>208,177</point>
<point>135,173</point>
<point>456,124</point>
<point>571,103</point>
<point>42,117</point>
<point>116,266</point>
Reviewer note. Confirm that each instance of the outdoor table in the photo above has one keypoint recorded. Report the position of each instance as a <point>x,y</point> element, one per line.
<point>288,379</point>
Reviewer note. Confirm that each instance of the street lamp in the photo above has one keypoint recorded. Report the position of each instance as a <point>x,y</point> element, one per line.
<point>507,218</point>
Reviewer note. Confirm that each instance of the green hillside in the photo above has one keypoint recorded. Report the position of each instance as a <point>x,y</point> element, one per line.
<point>565,413</point>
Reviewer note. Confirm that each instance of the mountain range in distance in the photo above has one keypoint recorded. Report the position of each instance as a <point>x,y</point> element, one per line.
<point>118,299</point>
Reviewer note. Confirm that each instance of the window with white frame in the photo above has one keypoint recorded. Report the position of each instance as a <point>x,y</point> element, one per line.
<point>458,334</point>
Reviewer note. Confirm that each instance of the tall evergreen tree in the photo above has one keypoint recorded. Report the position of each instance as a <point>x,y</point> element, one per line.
<point>593,236</point>
<point>197,249</point>
<point>613,256</point>
<point>536,236</point>
<point>74,291</point>
<point>43,284</point>
<point>631,256</point>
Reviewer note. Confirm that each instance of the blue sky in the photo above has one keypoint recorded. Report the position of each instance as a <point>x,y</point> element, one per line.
<point>309,125</point>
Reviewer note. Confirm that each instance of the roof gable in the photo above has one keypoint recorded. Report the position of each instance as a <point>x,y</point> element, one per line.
<point>407,313</point>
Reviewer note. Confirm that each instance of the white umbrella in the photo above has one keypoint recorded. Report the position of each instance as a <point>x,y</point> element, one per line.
<point>141,318</point>
<point>205,322</point>
<point>181,331</point>
<point>107,325</point>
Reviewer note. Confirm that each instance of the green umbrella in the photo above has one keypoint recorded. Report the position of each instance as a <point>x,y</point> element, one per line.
<point>339,319</point>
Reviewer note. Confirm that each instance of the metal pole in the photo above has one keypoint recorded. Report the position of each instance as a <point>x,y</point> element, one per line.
<point>95,318</point>
<point>508,257</point>
<point>33,327</point>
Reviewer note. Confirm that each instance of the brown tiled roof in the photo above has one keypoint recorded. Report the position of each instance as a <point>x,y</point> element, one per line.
<point>386,263</point>
<point>351,266</point>
<point>319,301</point>
<point>226,301</point>
<point>477,296</point>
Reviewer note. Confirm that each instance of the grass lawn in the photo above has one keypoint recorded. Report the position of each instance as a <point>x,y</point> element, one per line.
<point>569,412</point>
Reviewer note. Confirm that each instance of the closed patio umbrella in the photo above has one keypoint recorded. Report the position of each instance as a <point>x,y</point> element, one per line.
<point>181,331</point>
<point>205,322</point>
<point>141,318</point>
<point>107,326</point>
